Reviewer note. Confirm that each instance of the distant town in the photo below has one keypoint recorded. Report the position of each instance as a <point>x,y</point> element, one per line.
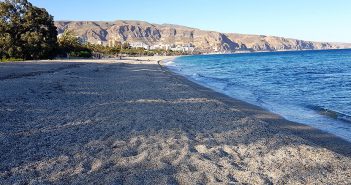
<point>114,42</point>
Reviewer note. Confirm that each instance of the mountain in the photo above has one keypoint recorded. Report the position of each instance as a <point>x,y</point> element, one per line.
<point>203,41</point>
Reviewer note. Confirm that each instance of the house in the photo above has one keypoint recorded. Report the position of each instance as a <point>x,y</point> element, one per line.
<point>189,48</point>
<point>139,45</point>
<point>161,46</point>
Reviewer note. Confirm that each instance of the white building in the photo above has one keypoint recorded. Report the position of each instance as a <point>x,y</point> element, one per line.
<point>161,46</point>
<point>139,45</point>
<point>189,48</point>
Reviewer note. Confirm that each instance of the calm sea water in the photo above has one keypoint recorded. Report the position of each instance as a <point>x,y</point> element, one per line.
<point>310,87</point>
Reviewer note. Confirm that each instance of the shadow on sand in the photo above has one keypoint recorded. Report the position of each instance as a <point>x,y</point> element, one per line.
<point>140,124</point>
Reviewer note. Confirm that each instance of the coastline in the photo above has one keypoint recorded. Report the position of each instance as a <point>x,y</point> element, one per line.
<point>133,121</point>
<point>319,137</point>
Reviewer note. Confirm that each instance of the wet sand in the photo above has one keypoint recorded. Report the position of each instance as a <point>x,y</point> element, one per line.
<point>132,121</point>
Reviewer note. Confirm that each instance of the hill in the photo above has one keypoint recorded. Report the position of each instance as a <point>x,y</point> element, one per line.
<point>203,41</point>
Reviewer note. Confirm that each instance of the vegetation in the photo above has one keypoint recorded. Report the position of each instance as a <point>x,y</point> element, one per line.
<point>104,50</point>
<point>71,46</point>
<point>10,59</point>
<point>26,32</point>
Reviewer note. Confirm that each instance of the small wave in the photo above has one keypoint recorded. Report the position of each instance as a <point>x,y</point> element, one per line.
<point>210,79</point>
<point>170,62</point>
<point>216,79</point>
<point>331,113</point>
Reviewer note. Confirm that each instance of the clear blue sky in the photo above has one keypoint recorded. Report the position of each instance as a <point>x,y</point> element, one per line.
<point>316,20</point>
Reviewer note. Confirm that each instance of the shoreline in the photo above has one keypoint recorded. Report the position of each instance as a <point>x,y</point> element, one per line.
<point>134,122</point>
<point>319,137</point>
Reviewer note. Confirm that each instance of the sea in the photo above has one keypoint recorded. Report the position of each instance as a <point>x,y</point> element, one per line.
<point>309,87</point>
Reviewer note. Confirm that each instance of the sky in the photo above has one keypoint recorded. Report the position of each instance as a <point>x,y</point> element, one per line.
<point>313,20</point>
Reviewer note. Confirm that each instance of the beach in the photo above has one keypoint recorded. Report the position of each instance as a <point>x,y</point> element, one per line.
<point>133,121</point>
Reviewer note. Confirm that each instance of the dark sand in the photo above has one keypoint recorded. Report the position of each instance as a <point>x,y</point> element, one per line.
<point>134,122</point>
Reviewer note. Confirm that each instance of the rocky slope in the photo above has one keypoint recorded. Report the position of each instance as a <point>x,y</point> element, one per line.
<point>204,41</point>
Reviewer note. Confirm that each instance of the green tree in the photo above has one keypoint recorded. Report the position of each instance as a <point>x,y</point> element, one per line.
<point>71,45</point>
<point>40,34</point>
<point>68,41</point>
<point>26,31</point>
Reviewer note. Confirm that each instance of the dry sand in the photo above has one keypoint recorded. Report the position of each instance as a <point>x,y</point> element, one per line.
<point>134,122</point>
